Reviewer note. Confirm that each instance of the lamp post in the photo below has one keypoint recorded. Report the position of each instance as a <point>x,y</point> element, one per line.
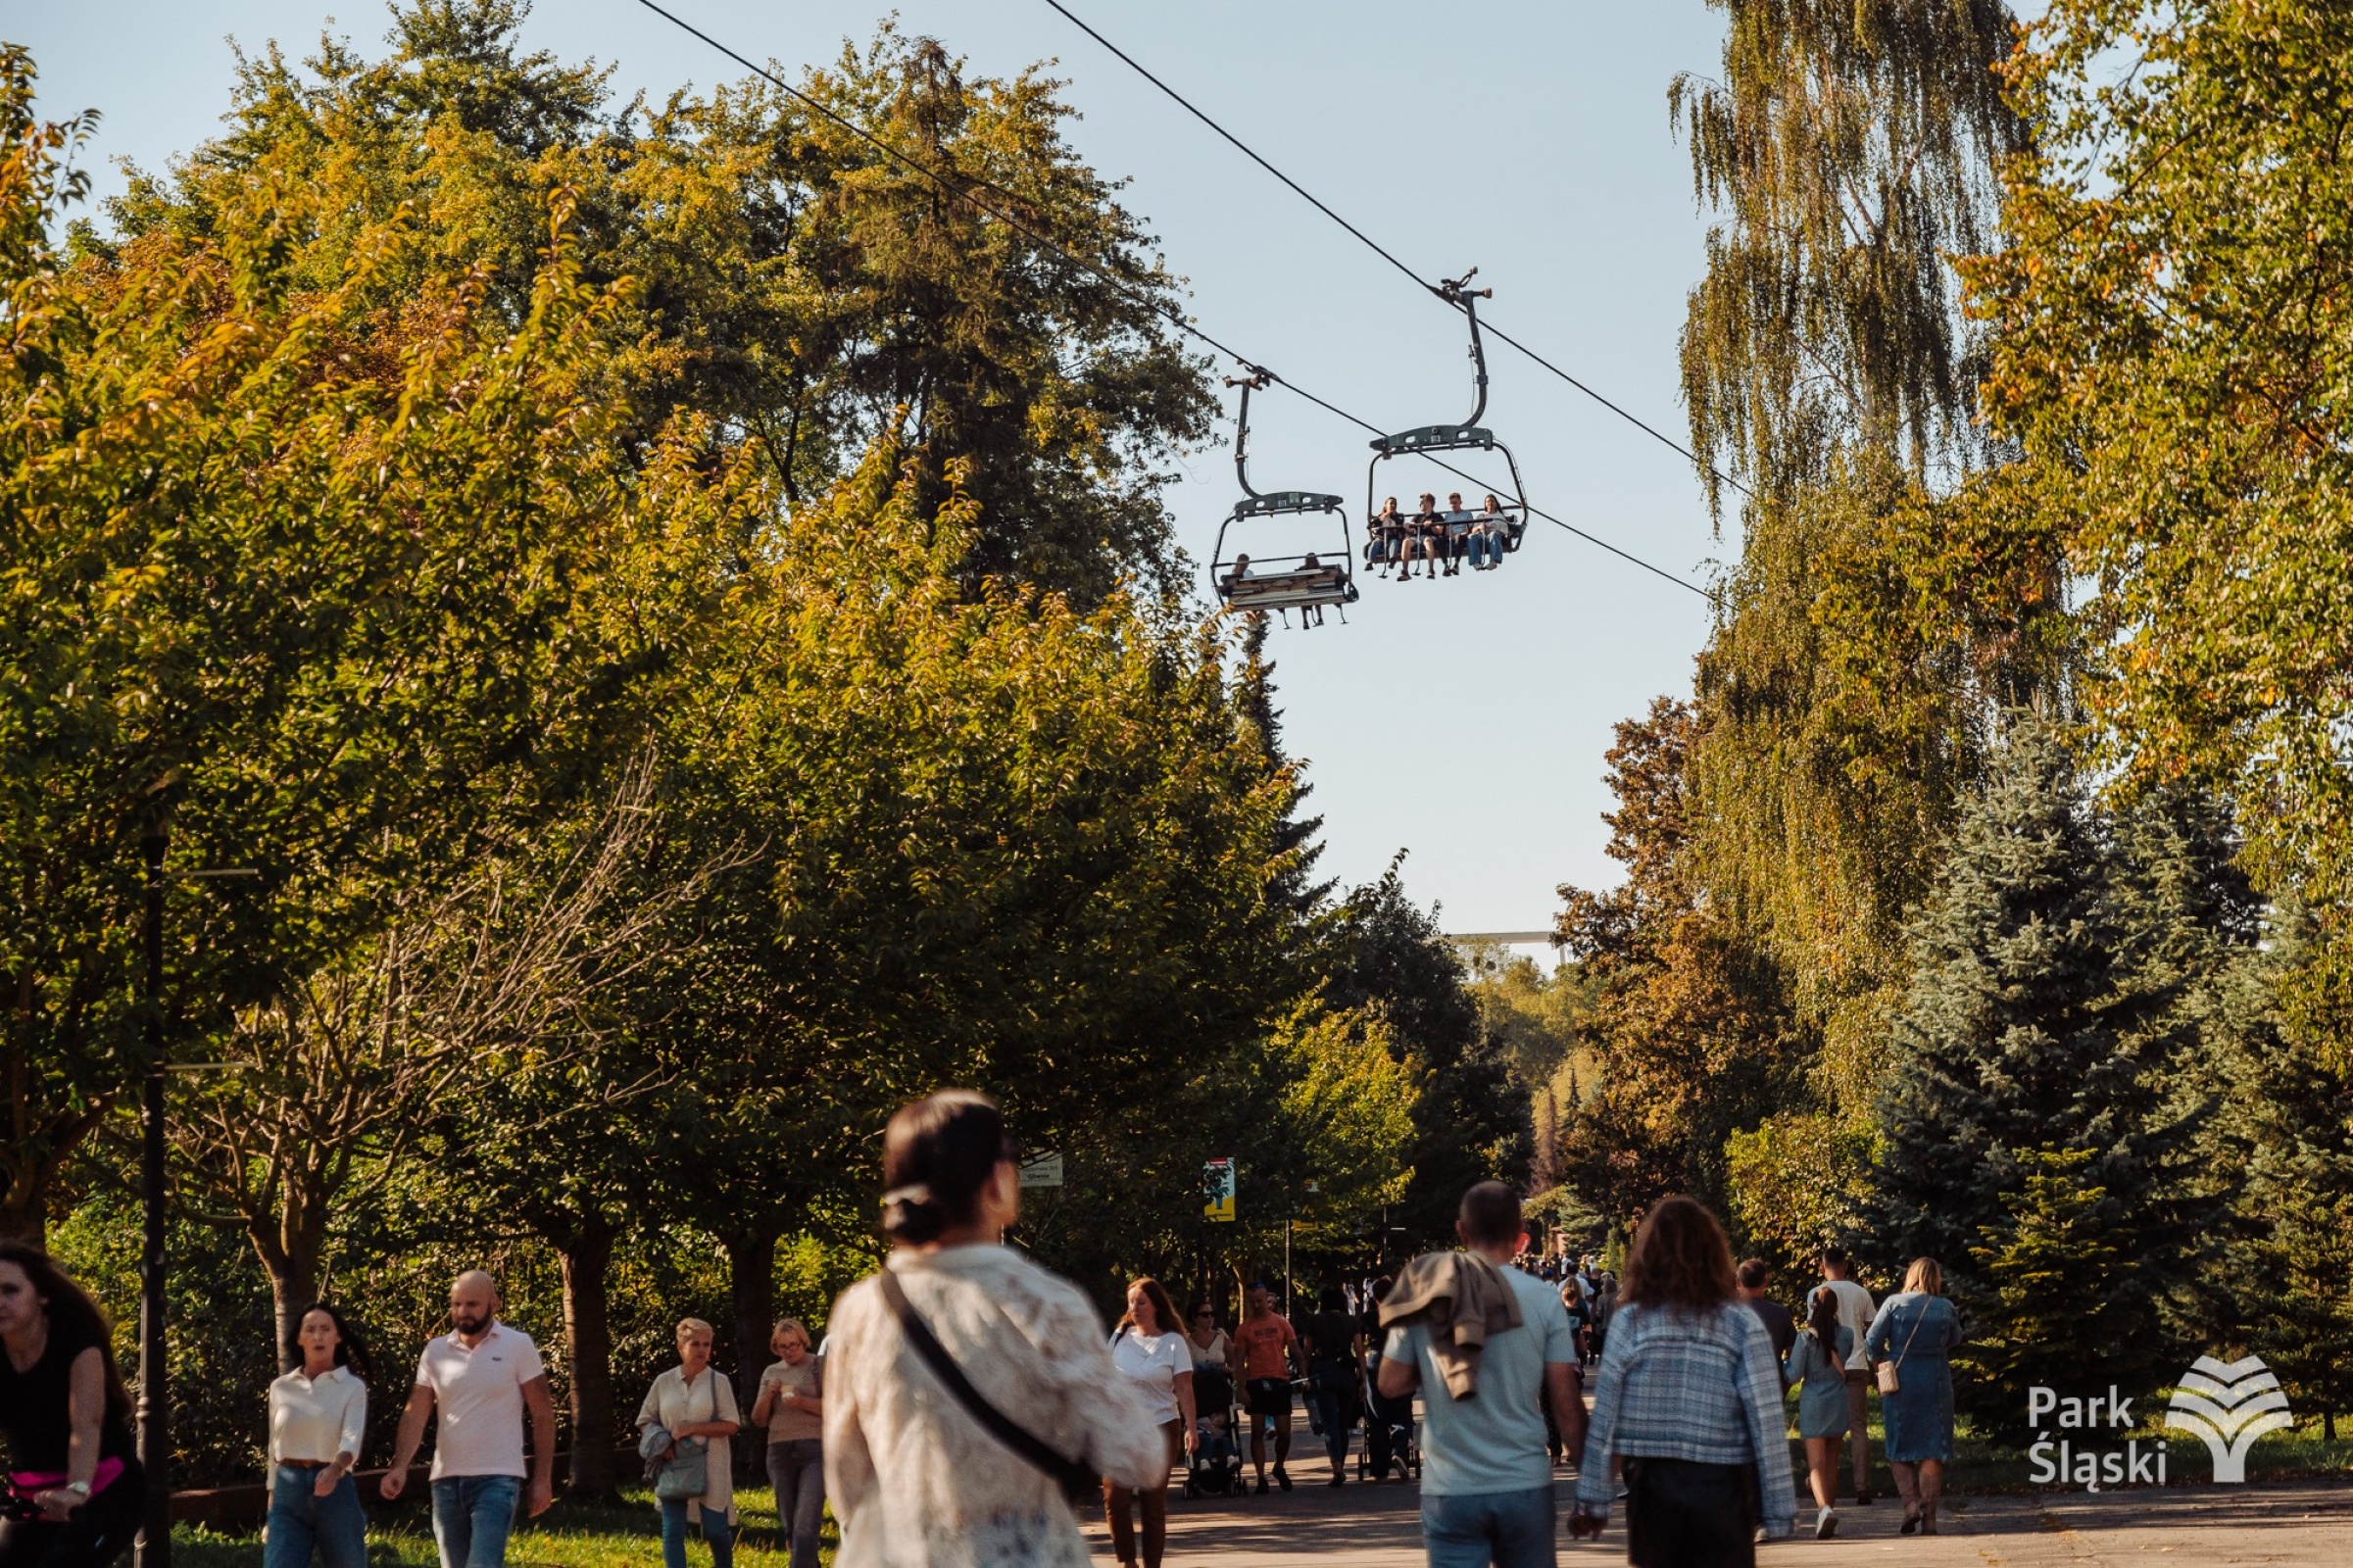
<point>154,1549</point>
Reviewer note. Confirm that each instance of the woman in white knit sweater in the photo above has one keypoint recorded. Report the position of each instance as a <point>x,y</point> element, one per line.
<point>915,1480</point>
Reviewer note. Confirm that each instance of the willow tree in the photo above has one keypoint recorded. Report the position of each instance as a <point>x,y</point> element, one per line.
<point>1848,150</point>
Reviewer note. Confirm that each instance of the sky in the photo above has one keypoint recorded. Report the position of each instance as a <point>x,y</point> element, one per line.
<point>1463,721</point>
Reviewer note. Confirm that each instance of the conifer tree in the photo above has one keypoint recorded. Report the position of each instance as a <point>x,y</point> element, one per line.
<point>2032,1109</point>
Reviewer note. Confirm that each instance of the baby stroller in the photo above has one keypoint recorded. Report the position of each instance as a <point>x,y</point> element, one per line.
<point>1215,1467</point>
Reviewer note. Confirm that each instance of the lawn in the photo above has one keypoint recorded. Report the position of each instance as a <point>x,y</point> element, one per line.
<point>571,1534</point>
<point>1980,1465</point>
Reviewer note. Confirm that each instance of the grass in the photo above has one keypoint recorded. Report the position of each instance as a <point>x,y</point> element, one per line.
<point>1982,1465</point>
<point>571,1534</point>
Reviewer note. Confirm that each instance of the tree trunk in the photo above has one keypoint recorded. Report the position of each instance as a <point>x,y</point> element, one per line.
<point>752,1291</point>
<point>293,1285</point>
<point>588,1337</point>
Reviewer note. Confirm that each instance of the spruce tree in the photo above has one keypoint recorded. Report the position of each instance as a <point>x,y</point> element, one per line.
<point>2032,1106</point>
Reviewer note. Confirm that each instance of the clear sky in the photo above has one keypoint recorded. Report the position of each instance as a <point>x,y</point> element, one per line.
<point>1463,720</point>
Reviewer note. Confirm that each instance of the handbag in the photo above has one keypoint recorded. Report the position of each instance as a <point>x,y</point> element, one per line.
<point>686,1473</point>
<point>1078,1480</point>
<point>1889,1380</point>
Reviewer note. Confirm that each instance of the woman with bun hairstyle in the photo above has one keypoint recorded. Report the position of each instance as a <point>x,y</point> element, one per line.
<point>916,1477</point>
<point>67,1418</point>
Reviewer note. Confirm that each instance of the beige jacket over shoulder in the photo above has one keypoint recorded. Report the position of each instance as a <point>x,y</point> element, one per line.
<point>915,1480</point>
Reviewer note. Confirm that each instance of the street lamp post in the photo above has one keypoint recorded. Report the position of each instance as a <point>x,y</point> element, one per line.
<point>154,1549</point>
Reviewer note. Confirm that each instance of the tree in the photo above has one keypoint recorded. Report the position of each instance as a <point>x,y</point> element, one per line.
<point>326,584</point>
<point>1002,840</point>
<point>1379,954</point>
<point>1688,1029</point>
<point>328,1087</point>
<point>2279,1145</point>
<point>2170,352</point>
<point>806,291</point>
<point>1868,625</point>
<point>2033,1104</point>
<point>1852,148</point>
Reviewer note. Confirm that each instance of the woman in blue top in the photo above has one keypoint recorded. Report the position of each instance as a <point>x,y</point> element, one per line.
<point>1917,1329</point>
<point>1817,1367</point>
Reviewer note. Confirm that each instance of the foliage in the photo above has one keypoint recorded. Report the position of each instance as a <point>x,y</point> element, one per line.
<point>328,586</point>
<point>2048,1294</point>
<point>798,286</point>
<point>2034,1103</point>
<point>1379,952</point>
<point>1797,1182</point>
<point>1851,145</point>
<point>2172,348</point>
<point>1687,1026</point>
<point>2281,1285</point>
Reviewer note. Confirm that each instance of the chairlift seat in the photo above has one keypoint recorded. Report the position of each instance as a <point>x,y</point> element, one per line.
<point>1290,589</point>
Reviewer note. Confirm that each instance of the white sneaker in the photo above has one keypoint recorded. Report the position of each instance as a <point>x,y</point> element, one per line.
<point>1826,1524</point>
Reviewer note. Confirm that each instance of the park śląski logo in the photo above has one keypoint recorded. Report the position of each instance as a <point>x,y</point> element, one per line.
<point>2228,1405</point>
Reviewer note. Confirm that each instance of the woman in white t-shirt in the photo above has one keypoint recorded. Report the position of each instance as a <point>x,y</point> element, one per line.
<point>1148,1349</point>
<point>694,1401</point>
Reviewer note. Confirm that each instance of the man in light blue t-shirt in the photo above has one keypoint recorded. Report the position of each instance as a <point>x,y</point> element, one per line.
<point>1487,1478</point>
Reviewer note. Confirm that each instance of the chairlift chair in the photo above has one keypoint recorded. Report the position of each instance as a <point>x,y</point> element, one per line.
<point>1430,440</point>
<point>1303,580</point>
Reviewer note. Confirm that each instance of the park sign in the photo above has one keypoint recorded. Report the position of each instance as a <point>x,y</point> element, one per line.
<point>1046,1170</point>
<point>1217,1190</point>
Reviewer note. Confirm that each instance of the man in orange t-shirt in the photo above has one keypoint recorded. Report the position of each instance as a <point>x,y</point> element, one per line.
<point>1269,1362</point>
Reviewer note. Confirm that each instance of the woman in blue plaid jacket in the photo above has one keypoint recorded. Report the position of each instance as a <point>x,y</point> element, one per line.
<point>1689,1401</point>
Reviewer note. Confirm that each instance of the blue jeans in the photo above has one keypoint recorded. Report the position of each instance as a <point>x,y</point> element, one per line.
<point>1508,1529</point>
<point>715,1530</point>
<point>472,1516</point>
<point>796,1470</point>
<point>1332,1395</point>
<point>301,1520</point>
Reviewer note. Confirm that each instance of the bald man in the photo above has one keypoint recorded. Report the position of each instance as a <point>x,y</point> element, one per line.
<point>482,1376</point>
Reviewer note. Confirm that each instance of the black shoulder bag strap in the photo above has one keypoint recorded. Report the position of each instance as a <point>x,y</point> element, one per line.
<point>1078,1480</point>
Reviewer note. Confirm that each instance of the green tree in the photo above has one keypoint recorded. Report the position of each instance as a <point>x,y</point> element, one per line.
<point>801,288</point>
<point>2034,1100</point>
<point>2170,351</point>
<point>1381,953</point>
<point>994,840</point>
<point>1688,1028</point>
<point>2280,1144</point>
<point>325,586</point>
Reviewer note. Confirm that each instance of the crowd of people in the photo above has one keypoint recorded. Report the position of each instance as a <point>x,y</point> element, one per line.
<point>1440,540</point>
<point>967,1408</point>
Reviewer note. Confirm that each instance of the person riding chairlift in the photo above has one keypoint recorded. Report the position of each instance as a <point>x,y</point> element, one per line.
<point>1491,536</point>
<point>1388,534</point>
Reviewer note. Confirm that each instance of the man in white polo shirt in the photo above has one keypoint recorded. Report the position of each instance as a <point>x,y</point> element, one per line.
<point>482,1376</point>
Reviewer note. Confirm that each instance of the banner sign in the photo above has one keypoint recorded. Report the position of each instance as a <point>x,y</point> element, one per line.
<point>1217,1190</point>
<point>1044,1171</point>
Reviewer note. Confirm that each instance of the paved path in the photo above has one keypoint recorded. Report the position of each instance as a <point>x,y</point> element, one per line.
<point>2300,1525</point>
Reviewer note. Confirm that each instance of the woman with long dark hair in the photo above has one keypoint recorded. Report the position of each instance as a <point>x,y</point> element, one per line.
<point>318,1420</point>
<point>1148,1349</point>
<point>1816,1368</point>
<point>1688,1399</point>
<point>73,1479</point>
<point>969,1396</point>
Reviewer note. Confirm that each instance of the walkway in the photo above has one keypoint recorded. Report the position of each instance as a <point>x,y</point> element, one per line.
<point>2298,1525</point>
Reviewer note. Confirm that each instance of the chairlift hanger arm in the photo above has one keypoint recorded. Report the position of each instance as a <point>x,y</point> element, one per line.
<point>1259,378</point>
<point>1457,292</point>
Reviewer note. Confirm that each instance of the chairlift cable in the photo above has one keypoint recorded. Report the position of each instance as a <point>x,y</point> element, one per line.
<point>961,190</point>
<point>1381,251</point>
